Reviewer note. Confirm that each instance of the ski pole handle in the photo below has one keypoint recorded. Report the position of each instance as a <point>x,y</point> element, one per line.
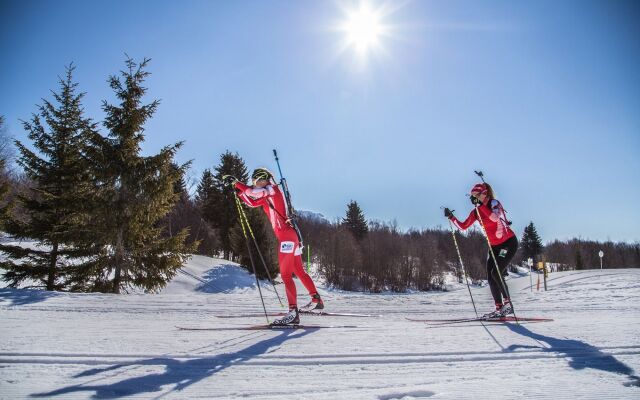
<point>275,154</point>
<point>480,174</point>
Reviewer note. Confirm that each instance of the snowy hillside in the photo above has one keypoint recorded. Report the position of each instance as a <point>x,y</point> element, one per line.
<point>60,345</point>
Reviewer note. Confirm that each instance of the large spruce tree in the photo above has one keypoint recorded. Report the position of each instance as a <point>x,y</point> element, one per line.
<point>355,220</point>
<point>531,244</point>
<point>133,194</point>
<point>60,185</point>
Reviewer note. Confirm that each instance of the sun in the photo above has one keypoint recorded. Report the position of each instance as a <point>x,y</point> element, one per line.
<point>363,28</point>
<point>366,31</point>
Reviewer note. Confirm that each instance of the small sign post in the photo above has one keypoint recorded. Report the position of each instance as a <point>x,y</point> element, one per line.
<point>530,263</point>
<point>601,254</point>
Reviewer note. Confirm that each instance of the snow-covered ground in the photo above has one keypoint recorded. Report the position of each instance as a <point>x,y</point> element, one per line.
<point>59,345</point>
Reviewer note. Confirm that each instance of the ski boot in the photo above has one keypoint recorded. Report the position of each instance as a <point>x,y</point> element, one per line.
<point>316,304</point>
<point>290,318</point>
<point>506,308</point>
<point>494,314</point>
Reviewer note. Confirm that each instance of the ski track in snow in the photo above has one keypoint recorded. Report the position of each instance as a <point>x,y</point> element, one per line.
<point>61,345</point>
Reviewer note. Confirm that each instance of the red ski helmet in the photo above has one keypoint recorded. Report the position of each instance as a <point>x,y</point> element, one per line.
<point>478,189</point>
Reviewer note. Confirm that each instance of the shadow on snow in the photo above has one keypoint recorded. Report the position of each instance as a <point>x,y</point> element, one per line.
<point>581,355</point>
<point>19,297</point>
<point>225,278</point>
<point>181,374</point>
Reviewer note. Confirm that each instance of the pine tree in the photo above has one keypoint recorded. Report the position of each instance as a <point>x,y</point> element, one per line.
<point>220,210</point>
<point>56,206</point>
<point>355,221</point>
<point>206,195</point>
<point>531,244</point>
<point>4,189</point>
<point>266,240</point>
<point>133,194</point>
<point>579,261</point>
<point>5,206</point>
<point>209,243</point>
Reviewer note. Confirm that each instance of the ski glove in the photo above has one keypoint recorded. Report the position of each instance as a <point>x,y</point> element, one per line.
<point>448,213</point>
<point>229,180</point>
<point>475,201</point>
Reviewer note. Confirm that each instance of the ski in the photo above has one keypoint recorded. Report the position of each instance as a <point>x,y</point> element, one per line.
<point>332,314</point>
<point>263,327</point>
<point>314,313</point>
<point>480,319</point>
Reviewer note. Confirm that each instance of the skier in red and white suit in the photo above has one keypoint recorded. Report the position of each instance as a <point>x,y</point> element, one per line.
<point>504,243</point>
<point>266,194</point>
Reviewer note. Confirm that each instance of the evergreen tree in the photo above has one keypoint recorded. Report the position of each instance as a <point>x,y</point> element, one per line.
<point>133,194</point>
<point>4,189</point>
<point>531,244</point>
<point>220,210</point>
<point>209,244</point>
<point>4,185</point>
<point>579,261</point>
<point>206,195</point>
<point>355,221</point>
<point>56,207</point>
<point>265,238</point>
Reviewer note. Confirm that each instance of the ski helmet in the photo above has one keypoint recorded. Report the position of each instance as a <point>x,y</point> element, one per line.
<point>478,189</point>
<point>261,173</point>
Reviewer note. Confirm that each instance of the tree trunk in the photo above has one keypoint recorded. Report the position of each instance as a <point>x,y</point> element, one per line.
<point>119,261</point>
<point>51,278</point>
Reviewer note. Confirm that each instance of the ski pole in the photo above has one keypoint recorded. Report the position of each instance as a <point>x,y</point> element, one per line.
<point>287,197</point>
<point>243,215</point>
<point>495,262</point>
<point>464,272</point>
<point>253,265</point>
<point>481,175</point>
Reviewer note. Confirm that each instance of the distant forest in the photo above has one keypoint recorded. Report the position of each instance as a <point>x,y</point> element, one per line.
<point>111,219</point>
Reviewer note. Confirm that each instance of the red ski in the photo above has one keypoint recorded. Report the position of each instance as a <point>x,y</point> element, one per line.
<point>480,319</point>
<point>314,313</point>
<point>263,327</point>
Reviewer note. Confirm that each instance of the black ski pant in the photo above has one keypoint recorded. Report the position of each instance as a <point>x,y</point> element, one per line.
<point>504,252</point>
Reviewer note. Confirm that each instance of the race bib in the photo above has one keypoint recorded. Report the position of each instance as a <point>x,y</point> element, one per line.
<point>287,247</point>
<point>503,253</point>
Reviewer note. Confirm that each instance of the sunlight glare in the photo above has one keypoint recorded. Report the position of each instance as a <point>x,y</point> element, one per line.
<point>363,29</point>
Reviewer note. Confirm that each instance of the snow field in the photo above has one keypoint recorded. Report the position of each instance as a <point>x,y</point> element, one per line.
<point>60,345</point>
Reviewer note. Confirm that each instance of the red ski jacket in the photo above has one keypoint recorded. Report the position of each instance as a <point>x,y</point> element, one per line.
<point>271,199</point>
<point>494,219</point>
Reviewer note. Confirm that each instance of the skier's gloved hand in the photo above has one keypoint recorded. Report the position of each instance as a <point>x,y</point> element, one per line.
<point>474,200</point>
<point>448,213</point>
<point>229,180</point>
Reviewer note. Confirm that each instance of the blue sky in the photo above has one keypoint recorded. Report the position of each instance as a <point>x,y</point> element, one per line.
<point>543,96</point>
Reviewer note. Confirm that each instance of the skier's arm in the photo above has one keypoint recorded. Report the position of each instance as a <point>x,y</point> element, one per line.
<point>253,197</point>
<point>496,210</point>
<point>467,222</point>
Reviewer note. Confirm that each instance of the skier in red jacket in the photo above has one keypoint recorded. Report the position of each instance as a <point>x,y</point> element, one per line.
<point>265,193</point>
<point>504,243</point>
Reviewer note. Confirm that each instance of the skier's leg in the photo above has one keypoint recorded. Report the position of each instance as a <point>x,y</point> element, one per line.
<point>306,280</point>
<point>316,302</point>
<point>504,254</point>
<point>494,282</point>
<point>287,260</point>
